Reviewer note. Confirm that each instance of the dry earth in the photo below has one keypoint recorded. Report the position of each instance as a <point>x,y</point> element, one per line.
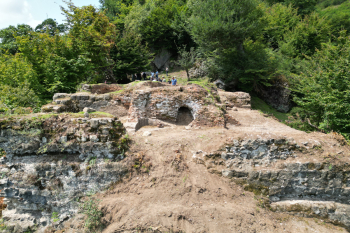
<point>178,195</point>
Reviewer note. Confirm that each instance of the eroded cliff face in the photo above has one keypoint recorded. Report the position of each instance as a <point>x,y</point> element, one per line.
<point>270,167</point>
<point>51,161</point>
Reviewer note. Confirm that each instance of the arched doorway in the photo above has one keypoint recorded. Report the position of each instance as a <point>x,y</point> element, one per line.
<point>184,116</point>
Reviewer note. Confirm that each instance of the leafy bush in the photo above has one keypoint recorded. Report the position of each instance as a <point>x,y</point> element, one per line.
<point>339,16</point>
<point>323,88</point>
<point>306,36</point>
<point>92,212</point>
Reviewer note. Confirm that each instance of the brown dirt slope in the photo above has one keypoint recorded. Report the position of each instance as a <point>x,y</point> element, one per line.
<point>168,192</point>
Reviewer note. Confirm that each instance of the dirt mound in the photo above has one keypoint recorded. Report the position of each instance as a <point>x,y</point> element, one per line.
<point>166,190</point>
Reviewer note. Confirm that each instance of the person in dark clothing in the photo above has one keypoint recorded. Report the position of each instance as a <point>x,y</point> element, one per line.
<point>144,75</point>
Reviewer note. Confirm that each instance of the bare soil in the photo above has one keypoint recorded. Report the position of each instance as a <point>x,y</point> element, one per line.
<point>166,191</point>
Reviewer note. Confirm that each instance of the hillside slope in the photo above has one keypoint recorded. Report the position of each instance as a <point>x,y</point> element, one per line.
<point>180,193</point>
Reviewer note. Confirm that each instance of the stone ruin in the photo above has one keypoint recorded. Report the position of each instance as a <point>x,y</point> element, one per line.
<point>151,103</point>
<point>53,159</point>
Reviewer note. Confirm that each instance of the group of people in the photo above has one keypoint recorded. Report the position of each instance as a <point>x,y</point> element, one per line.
<point>155,77</point>
<point>171,81</point>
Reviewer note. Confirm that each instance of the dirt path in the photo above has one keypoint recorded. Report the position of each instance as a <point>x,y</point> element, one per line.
<point>179,195</point>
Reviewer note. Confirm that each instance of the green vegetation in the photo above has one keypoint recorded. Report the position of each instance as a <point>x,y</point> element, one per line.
<point>258,104</point>
<point>93,214</point>
<point>249,44</point>
<point>323,88</point>
<point>54,217</point>
<point>94,114</point>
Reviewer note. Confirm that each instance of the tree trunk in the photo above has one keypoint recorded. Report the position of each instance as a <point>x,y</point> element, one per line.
<point>188,75</point>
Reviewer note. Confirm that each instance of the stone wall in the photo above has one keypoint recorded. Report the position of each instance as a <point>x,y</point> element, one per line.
<point>253,164</point>
<point>52,161</point>
<point>164,103</point>
<point>156,101</point>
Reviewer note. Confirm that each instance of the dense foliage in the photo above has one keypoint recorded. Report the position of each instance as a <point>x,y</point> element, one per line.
<point>323,89</point>
<point>248,44</point>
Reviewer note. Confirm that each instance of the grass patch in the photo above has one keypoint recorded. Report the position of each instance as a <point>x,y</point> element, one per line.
<point>94,114</point>
<point>259,104</point>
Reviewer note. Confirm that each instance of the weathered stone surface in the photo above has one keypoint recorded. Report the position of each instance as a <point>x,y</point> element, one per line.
<point>278,96</point>
<point>146,134</point>
<point>332,211</point>
<point>305,185</point>
<point>45,184</point>
<point>162,58</point>
<point>164,104</point>
<point>50,162</point>
<point>235,99</point>
<point>89,109</point>
<point>61,133</point>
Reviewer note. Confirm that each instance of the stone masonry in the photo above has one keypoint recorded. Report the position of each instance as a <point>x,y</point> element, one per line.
<point>154,100</point>
<point>52,160</point>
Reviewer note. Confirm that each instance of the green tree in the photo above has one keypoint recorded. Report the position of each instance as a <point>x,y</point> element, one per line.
<point>130,55</point>
<point>160,23</point>
<point>50,26</point>
<point>306,36</point>
<point>339,17</point>
<point>63,61</point>
<point>280,19</point>
<point>18,83</point>
<point>323,89</point>
<point>8,40</point>
<point>304,6</point>
<point>91,33</point>
<point>187,59</point>
<point>59,66</point>
<point>222,33</point>
<point>117,10</point>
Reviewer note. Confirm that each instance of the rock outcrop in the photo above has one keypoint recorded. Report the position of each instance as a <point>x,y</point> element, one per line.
<point>303,188</point>
<point>278,96</point>
<point>53,160</point>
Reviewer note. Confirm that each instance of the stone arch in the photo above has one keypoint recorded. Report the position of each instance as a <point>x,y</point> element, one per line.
<point>184,116</point>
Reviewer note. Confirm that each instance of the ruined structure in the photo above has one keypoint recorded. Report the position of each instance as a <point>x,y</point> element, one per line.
<point>146,102</point>
<point>77,146</point>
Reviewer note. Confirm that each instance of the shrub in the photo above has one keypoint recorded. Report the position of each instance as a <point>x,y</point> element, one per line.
<point>92,212</point>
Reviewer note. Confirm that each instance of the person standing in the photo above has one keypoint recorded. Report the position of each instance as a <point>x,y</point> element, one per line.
<point>173,81</point>
<point>152,74</point>
<point>157,75</point>
<point>167,70</point>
